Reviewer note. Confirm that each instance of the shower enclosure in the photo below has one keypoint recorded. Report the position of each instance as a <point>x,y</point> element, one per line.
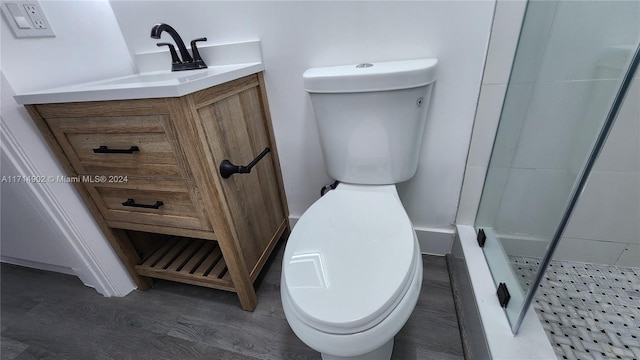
<point>563,181</point>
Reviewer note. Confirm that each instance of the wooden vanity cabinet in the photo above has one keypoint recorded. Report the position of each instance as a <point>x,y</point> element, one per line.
<point>148,172</point>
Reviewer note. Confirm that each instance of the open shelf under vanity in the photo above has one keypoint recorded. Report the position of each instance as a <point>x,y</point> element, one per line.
<point>192,261</point>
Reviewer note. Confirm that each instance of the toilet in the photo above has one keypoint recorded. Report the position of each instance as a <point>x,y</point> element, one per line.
<point>352,269</point>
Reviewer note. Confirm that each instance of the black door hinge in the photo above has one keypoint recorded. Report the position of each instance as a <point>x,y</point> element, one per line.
<point>503,295</point>
<point>481,237</point>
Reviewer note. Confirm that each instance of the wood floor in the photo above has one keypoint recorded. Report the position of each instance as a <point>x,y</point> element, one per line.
<point>47,315</point>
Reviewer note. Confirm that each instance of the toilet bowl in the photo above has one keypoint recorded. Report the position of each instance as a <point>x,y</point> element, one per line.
<point>352,273</point>
<point>352,269</point>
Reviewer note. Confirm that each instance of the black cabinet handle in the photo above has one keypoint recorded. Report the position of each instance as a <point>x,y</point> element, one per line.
<point>227,168</point>
<point>105,150</point>
<point>132,203</point>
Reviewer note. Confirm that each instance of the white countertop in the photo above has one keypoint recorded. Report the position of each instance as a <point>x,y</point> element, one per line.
<point>143,86</point>
<point>226,62</point>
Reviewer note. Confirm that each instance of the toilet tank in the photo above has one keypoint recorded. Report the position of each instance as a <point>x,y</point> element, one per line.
<point>371,118</point>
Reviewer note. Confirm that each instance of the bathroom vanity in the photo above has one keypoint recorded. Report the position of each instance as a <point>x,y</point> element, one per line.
<point>148,170</point>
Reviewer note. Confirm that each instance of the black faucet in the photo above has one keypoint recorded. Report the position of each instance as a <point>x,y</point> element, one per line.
<point>187,62</point>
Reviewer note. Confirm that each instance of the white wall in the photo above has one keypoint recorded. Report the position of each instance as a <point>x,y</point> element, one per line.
<point>298,35</point>
<point>90,47</point>
<point>295,36</point>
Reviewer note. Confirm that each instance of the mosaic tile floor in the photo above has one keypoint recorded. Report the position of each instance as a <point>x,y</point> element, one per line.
<point>589,311</point>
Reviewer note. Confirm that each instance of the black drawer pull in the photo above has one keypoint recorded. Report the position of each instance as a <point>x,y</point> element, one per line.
<point>105,150</point>
<point>132,203</point>
<point>227,168</point>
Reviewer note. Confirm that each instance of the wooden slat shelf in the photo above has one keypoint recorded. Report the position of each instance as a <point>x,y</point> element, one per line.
<point>192,261</point>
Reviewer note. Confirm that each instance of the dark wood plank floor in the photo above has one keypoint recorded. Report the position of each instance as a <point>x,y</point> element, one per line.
<point>47,315</point>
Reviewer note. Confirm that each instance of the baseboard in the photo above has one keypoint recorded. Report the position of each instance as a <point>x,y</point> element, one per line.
<point>435,241</point>
<point>432,241</point>
<point>37,265</point>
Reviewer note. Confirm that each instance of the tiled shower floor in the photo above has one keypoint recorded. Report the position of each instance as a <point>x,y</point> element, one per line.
<point>589,311</point>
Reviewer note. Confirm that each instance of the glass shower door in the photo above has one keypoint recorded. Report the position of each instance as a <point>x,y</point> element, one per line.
<point>571,59</point>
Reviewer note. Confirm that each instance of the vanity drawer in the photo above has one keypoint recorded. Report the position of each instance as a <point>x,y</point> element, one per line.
<point>120,145</point>
<point>165,203</point>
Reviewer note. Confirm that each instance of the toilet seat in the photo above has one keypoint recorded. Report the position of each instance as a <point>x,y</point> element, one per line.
<point>347,277</point>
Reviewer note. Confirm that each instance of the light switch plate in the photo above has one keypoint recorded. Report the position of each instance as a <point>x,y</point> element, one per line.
<point>26,19</point>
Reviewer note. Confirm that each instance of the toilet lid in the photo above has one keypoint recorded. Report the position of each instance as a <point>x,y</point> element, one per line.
<point>349,260</point>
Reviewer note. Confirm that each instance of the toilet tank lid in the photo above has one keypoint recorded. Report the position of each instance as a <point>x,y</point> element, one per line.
<point>367,77</point>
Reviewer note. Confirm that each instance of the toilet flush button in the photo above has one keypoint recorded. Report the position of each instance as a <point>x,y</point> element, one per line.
<point>364,65</point>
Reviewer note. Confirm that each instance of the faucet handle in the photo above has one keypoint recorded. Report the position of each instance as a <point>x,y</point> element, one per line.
<point>197,59</point>
<point>174,55</point>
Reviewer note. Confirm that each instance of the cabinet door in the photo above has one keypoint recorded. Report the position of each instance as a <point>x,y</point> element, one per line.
<point>236,130</point>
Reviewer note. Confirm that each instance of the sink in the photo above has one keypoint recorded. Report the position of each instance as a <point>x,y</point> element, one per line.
<point>234,61</point>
